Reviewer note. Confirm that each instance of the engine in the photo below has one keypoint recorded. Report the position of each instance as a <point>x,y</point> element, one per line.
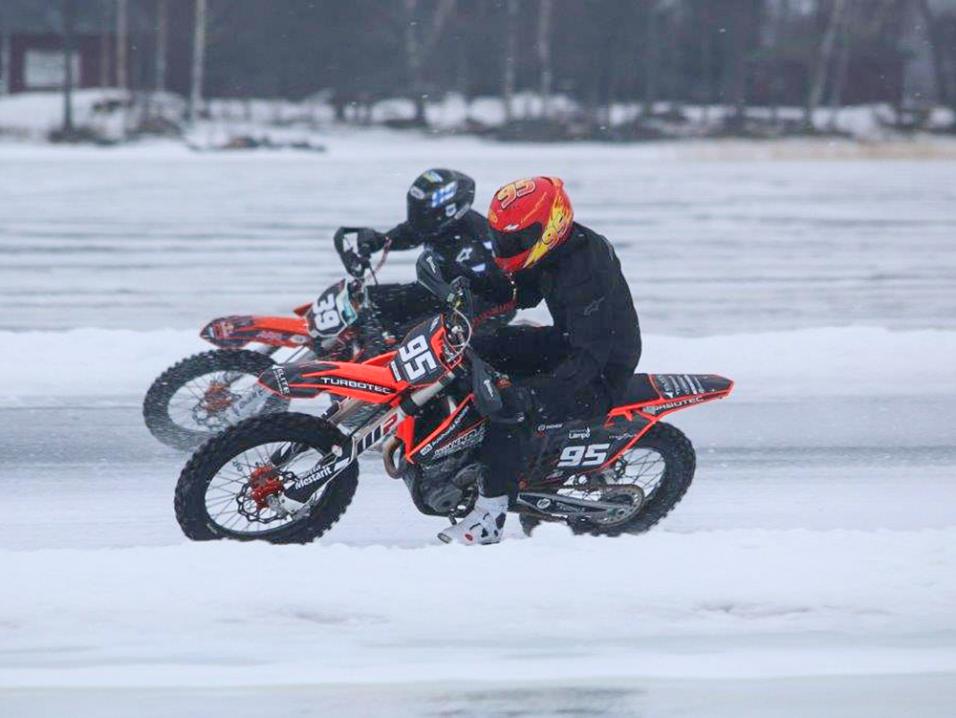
<point>445,487</point>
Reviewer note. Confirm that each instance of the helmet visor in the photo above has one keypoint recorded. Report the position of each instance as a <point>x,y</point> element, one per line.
<point>511,244</point>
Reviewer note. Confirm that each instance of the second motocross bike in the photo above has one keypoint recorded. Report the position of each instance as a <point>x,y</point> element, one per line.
<point>204,393</point>
<point>287,478</point>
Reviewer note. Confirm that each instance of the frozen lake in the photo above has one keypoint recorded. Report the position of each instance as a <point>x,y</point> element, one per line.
<point>810,568</point>
<point>166,238</point>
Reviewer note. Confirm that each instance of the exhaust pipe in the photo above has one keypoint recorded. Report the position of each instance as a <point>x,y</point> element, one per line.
<point>394,463</point>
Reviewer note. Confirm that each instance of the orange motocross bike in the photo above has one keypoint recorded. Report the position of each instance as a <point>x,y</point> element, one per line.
<point>288,477</point>
<point>203,394</point>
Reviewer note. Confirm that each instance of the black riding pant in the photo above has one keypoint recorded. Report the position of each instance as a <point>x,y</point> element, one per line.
<point>523,352</point>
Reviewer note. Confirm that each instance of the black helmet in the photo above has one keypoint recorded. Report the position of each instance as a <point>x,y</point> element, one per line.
<point>438,199</point>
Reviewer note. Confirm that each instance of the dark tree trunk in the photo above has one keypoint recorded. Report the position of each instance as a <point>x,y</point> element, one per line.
<point>511,50</point>
<point>936,45</point>
<point>69,38</point>
<point>544,53</point>
<point>652,55</point>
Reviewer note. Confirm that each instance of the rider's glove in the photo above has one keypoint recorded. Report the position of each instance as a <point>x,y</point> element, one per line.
<point>517,403</point>
<point>354,264</point>
<point>369,241</point>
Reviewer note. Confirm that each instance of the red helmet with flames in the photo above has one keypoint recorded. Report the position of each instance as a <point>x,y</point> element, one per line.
<point>529,218</point>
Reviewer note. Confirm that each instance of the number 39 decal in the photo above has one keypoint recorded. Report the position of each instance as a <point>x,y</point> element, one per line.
<point>591,455</point>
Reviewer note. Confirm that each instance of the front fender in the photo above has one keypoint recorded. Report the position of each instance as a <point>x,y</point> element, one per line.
<point>236,331</point>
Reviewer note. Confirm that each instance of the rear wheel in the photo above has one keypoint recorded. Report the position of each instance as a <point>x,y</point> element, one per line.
<point>231,486</point>
<point>648,481</point>
<point>192,400</point>
<point>651,478</point>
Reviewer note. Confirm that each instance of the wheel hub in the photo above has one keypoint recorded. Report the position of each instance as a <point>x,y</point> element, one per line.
<point>217,398</point>
<point>264,482</point>
<point>631,499</point>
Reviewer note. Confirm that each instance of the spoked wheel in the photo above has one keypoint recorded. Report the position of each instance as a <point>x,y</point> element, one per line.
<point>258,481</point>
<point>647,482</point>
<point>196,398</point>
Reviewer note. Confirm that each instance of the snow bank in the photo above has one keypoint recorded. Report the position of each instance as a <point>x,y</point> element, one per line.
<point>830,362</point>
<point>723,604</point>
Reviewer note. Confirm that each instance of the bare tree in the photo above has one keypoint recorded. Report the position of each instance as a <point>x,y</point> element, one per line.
<point>842,63</point>
<point>417,49</point>
<point>68,12</point>
<point>159,83</point>
<point>936,45</point>
<point>545,8</point>
<point>4,55</point>
<point>822,62</point>
<point>652,57</point>
<point>199,59</point>
<point>106,12</point>
<point>511,51</point>
<point>122,44</point>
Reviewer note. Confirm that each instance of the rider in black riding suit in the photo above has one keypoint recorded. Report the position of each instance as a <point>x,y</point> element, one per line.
<point>572,369</point>
<point>440,219</point>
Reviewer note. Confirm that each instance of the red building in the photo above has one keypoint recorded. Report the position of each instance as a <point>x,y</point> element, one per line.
<point>36,62</point>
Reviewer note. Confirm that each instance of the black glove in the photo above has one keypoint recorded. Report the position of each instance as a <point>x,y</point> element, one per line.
<point>354,264</point>
<point>517,404</point>
<point>369,241</point>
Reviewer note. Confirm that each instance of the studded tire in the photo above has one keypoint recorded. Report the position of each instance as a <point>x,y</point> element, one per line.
<point>205,463</point>
<point>156,403</point>
<point>680,462</point>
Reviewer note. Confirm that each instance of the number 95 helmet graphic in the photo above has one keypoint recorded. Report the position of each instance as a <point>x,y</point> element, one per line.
<point>529,218</point>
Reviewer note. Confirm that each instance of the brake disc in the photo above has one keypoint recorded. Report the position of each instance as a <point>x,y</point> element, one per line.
<point>631,499</point>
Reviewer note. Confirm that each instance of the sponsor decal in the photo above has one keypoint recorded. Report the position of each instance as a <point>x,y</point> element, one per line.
<point>543,504</point>
<point>432,176</point>
<point>467,440</point>
<point>281,382</point>
<point>315,475</point>
<point>593,307</point>
<point>549,427</point>
<point>449,430</point>
<point>416,193</point>
<point>353,384</point>
<point>584,433</point>
<point>655,410</point>
<point>674,385</point>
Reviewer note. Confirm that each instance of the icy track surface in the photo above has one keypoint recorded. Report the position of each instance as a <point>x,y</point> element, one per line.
<point>809,571</point>
<point>161,237</point>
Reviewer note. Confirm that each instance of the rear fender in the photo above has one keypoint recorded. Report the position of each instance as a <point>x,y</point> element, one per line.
<point>234,332</point>
<point>661,394</point>
<point>306,380</point>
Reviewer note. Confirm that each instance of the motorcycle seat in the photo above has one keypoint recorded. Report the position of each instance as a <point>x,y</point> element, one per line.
<point>640,389</point>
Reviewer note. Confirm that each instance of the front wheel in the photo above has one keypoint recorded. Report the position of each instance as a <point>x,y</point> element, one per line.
<point>196,398</point>
<point>233,485</point>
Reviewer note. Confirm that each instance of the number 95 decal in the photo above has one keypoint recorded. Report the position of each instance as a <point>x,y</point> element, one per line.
<point>416,359</point>
<point>590,455</point>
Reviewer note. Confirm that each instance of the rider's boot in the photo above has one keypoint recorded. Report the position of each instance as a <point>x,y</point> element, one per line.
<point>484,523</point>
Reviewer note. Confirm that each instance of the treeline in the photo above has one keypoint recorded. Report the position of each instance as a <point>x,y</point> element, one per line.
<point>736,53</point>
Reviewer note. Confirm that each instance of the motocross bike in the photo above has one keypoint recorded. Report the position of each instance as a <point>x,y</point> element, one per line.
<point>287,478</point>
<point>204,393</point>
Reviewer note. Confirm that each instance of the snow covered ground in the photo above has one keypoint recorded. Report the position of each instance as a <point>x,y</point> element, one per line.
<point>809,571</point>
